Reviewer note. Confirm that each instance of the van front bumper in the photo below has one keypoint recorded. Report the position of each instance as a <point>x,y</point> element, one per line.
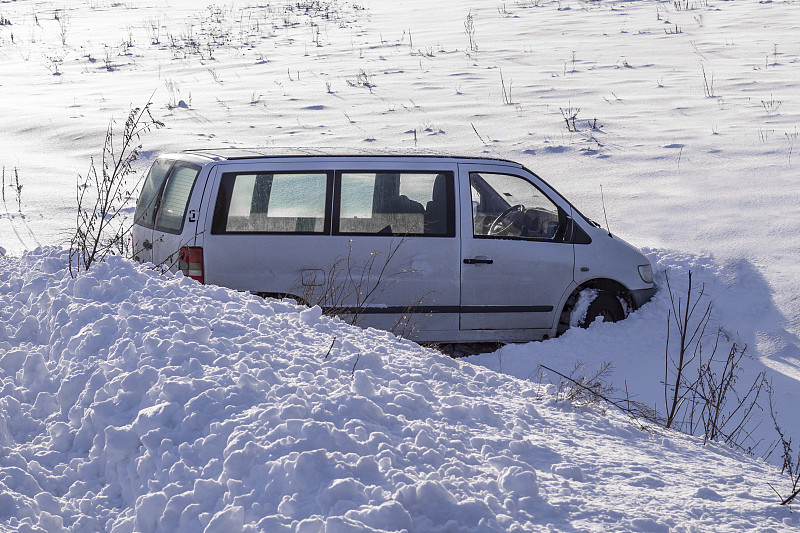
<point>642,296</point>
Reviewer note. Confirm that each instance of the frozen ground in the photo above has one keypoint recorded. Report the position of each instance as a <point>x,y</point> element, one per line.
<point>686,113</point>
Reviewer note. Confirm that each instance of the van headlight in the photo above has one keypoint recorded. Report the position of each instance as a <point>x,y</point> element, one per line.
<point>646,273</point>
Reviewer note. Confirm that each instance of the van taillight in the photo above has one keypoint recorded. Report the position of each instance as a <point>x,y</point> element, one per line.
<point>190,261</point>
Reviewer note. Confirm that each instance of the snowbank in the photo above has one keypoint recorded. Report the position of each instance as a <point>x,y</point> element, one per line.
<point>133,401</point>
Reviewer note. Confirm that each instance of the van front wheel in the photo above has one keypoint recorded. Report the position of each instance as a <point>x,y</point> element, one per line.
<point>605,305</point>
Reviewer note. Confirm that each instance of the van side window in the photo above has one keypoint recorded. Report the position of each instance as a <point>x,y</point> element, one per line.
<point>507,206</point>
<point>396,203</point>
<point>271,203</point>
<point>171,208</point>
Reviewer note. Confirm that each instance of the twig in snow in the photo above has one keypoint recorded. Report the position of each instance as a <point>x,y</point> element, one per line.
<point>330,347</point>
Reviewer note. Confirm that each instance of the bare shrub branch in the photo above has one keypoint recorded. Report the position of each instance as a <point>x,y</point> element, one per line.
<point>101,228</point>
<point>588,390</point>
<point>349,287</point>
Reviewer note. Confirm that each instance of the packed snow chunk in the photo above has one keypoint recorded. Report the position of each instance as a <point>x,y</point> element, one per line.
<point>568,471</point>
<point>649,482</point>
<point>648,525</point>
<point>156,347</point>
<point>389,516</point>
<point>705,493</point>
<point>239,463</point>
<point>176,505</point>
<point>47,502</point>
<point>431,503</point>
<point>528,413</point>
<point>84,286</point>
<point>120,443</point>
<point>370,360</point>
<point>140,380</point>
<point>423,439</point>
<point>226,521</point>
<point>200,334</point>
<point>519,482</point>
<point>362,383</point>
<point>149,508</point>
<point>307,471</point>
<point>50,523</point>
<point>208,492</point>
<point>155,417</point>
<point>51,265</point>
<point>34,371</point>
<point>18,480</point>
<point>44,405</point>
<point>28,329</point>
<point>338,524</point>
<point>578,314</point>
<point>12,361</point>
<point>314,524</point>
<point>341,496</point>
<point>310,315</point>
<point>61,436</point>
<point>8,506</point>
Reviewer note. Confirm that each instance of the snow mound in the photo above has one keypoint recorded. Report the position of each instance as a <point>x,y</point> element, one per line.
<point>133,401</point>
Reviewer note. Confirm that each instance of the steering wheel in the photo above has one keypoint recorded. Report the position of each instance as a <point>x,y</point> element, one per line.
<point>498,228</point>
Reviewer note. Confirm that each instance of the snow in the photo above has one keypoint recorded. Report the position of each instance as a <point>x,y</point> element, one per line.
<point>133,401</point>
<point>146,402</point>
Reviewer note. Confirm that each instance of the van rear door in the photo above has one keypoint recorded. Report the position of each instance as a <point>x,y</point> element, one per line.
<point>176,214</point>
<point>143,219</point>
<point>165,220</point>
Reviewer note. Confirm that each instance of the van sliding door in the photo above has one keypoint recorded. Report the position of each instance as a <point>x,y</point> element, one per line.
<point>396,261</point>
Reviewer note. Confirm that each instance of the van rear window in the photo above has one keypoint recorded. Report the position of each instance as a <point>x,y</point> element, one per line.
<point>165,195</point>
<point>172,207</point>
<point>280,202</point>
<point>148,198</point>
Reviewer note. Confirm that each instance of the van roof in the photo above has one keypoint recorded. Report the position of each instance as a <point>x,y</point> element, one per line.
<point>305,152</point>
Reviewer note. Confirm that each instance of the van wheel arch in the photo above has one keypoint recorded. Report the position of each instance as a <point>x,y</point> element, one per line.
<point>603,285</point>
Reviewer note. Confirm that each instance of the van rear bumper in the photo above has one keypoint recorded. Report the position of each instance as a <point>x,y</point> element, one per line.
<point>642,296</point>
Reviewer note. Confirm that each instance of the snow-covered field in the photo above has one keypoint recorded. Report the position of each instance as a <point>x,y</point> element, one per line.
<point>147,403</point>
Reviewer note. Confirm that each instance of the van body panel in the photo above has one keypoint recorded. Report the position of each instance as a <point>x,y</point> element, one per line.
<point>435,248</point>
<point>142,252</point>
<point>609,257</point>
<point>379,277</point>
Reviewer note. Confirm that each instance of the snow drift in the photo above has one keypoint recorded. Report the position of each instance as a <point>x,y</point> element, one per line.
<point>133,401</point>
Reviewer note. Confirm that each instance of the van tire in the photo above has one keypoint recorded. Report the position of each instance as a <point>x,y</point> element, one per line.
<point>606,305</point>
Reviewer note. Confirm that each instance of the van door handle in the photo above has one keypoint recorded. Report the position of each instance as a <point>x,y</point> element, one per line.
<point>147,245</point>
<point>478,261</point>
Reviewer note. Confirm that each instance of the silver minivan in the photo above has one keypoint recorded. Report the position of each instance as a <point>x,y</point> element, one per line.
<point>436,248</point>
